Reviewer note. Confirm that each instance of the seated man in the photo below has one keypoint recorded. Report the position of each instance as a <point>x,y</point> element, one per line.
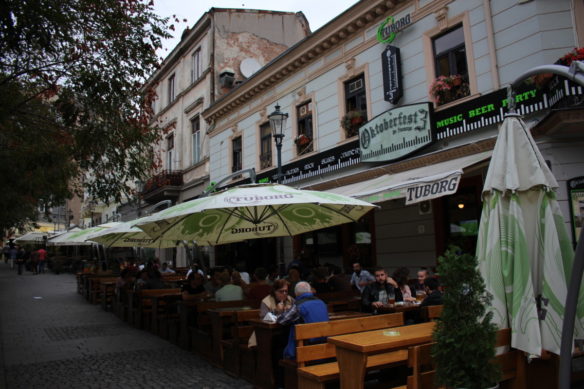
<point>434,296</point>
<point>229,291</point>
<point>360,278</point>
<point>306,309</point>
<point>166,270</point>
<point>422,275</point>
<point>379,293</point>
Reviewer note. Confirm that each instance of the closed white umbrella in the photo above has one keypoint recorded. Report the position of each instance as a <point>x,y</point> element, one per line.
<point>524,251</point>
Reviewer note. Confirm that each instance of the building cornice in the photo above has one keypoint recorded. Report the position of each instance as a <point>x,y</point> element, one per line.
<point>361,16</point>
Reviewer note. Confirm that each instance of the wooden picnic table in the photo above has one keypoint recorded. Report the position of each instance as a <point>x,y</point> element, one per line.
<point>271,335</point>
<point>354,349</point>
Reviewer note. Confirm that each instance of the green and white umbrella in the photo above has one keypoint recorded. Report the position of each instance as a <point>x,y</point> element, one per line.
<point>126,234</point>
<point>33,237</point>
<point>251,212</point>
<point>524,251</point>
<point>76,236</point>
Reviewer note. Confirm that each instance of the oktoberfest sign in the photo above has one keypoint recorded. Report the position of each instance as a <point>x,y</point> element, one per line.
<point>396,133</point>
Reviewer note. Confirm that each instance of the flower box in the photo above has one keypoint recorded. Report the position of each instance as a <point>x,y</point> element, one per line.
<point>352,121</point>
<point>449,88</point>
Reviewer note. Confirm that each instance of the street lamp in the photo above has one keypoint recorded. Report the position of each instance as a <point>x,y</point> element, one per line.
<point>278,123</point>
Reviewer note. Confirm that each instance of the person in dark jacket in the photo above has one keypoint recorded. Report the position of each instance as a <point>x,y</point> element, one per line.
<point>434,296</point>
<point>378,293</point>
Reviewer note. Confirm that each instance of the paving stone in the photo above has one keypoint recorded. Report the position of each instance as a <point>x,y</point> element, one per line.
<point>51,337</point>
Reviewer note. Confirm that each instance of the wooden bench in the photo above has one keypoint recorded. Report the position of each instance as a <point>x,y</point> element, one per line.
<point>309,370</point>
<point>431,312</point>
<point>238,358</point>
<point>165,318</point>
<point>95,287</point>
<point>202,335</point>
<point>141,305</point>
<point>106,292</point>
<point>512,363</point>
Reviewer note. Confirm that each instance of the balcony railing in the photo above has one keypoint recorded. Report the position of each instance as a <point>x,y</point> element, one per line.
<point>163,179</point>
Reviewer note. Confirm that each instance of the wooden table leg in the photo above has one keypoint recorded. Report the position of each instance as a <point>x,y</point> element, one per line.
<point>217,328</point>
<point>352,365</point>
<point>154,321</point>
<point>265,374</point>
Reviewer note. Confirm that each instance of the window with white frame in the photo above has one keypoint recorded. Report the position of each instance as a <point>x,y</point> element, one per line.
<point>196,65</point>
<point>451,68</point>
<point>171,90</point>
<point>169,152</point>
<point>305,136</point>
<point>237,154</point>
<point>355,105</point>
<point>265,146</point>
<point>196,138</point>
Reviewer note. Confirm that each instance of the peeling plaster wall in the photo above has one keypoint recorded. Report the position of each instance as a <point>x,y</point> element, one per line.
<point>261,35</point>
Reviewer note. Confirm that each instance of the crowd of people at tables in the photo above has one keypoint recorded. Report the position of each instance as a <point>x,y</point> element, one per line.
<point>277,292</point>
<point>293,298</point>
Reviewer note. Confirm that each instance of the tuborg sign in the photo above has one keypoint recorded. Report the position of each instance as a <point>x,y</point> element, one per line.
<point>387,30</point>
<point>396,133</point>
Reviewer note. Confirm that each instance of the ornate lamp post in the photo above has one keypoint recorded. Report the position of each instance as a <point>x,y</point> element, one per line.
<point>278,123</point>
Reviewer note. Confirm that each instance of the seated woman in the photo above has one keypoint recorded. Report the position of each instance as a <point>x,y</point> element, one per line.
<point>278,301</point>
<point>193,289</point>
<point>401,277</point>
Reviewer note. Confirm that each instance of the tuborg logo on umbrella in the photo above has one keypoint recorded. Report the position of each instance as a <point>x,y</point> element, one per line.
<point>263,229</point>
<point>254,199</point>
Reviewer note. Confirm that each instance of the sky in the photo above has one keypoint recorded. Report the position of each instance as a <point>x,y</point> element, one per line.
<point>318,12</point>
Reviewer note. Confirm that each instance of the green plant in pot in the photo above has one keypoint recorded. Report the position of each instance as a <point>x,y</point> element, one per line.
<point>464,335</point>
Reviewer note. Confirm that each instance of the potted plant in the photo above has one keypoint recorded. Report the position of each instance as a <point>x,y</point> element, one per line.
<point>445,89</point>
<point>302,140</point>
<point>575,55</point>
<point>351,122</point>
<point>542,80</point>
<point>303,144</point>
<point>464,335</point>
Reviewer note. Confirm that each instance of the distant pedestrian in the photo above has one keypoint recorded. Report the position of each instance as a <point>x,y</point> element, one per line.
<point>6,253</point>
<point>21,257</point>
<point>13,255</point>
<point>32,265</point>
<point>42,259</point>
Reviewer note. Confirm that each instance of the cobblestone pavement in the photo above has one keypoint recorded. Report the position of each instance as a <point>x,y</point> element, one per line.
<point>51,337</point>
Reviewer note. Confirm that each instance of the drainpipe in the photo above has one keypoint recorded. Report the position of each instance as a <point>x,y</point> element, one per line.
<point>496,81</point>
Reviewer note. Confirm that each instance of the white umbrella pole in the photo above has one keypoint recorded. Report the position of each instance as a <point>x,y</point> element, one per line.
<point>570,315</point>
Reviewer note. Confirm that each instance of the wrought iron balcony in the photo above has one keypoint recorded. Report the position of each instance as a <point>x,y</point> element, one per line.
<point>164,185</point>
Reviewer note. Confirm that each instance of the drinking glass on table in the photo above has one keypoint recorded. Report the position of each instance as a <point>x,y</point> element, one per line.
<point>391,299</point>
<point>420,296</point>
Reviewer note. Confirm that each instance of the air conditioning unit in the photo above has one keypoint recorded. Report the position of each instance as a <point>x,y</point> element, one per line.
<point>425,208</point>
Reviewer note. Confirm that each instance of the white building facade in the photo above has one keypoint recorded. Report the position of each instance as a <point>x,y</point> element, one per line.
<point>223,48</point>
<point>332,83</point>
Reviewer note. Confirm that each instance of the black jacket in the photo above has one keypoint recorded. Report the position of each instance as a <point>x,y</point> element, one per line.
<point>371,294</point>
<point>434,298</point>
